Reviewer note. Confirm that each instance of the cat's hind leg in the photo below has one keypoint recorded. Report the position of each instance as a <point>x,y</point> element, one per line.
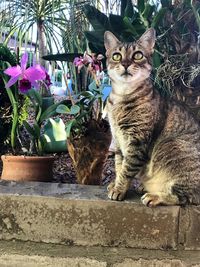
<point>159,185</point>
<point>172,176</point>
<point>159,198</point>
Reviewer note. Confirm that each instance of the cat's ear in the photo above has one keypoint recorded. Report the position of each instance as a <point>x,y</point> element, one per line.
<point>110,40</point>
<point>147,40</point>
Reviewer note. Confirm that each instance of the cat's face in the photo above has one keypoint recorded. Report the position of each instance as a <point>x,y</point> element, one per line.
<point>129,62</point>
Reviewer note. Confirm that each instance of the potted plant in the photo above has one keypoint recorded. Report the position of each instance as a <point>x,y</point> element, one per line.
<point>5,108</point>
<point>88,134</point>
<point>30,152</point>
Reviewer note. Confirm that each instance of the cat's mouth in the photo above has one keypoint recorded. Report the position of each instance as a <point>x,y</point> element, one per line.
<point>126,73</point>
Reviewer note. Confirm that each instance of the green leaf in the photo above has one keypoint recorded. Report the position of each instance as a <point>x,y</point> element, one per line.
<point>96,48</point>
<point>54,137</point>
<point>95,37</point>
<point>63,109</point>
<point>99,95</point>
<point>69,57</point>
<point>36,129</point>
<point>129,12</point>
<point>156,60</point>
<point>98,20</point>
<point>157,19</point>
<point>129,26</point>
<point>39,112</point>
<point>92,86</point>
<point>15,121</point>
<point>35,96</point>
<point>29,129</point>
<point>82,115</point>
<point>98,90</point>
<point>141,5</point>
<point>87,94</point>
<point>123,7</point>
<point>117,24</point>
<point>74,110</point>
<point>47,101</point>
<point>69,126</point>
<point>148,11</point>
<point>166,3</point>
<point>49,112</point>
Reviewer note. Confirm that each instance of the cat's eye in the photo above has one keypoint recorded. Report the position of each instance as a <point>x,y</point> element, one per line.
<point>116,56</point>
<point>138,56</point>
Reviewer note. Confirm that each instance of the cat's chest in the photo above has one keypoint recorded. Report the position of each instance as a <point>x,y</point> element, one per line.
<point>118,134</point>
<point>114,113</point>
<point>120,113</point>
<point>132,118</point>
<point>118,118</point>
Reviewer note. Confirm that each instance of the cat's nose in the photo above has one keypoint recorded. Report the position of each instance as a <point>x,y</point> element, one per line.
<point>125,64</point>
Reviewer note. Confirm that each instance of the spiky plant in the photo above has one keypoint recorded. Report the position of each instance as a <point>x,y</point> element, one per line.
<point>47,16</point>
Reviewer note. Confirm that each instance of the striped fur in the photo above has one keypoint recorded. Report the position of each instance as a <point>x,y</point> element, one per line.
<point>157,139</point>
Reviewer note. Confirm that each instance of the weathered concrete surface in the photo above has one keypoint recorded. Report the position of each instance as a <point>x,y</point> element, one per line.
<point>76,215</point>
<point>46,224</point>
<point>154,263</point>
<point>30,254</point>
<point>190,228</point>
<point>11,260</point>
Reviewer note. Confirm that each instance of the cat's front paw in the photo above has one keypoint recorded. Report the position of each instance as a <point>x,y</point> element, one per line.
<point>151,200</point>
<point>114,193</point>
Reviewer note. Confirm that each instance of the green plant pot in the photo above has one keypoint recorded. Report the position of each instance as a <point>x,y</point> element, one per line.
<point>54,138</point>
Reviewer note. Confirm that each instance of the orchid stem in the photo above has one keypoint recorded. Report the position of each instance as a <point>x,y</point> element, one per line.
<point>15,115</point>
<point>14,118</point>
<point>45,85</point>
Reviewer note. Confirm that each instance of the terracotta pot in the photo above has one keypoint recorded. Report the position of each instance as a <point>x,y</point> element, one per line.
<point>27,168</point>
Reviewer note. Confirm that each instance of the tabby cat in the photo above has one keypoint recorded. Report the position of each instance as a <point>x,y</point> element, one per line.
<point>157,139</point>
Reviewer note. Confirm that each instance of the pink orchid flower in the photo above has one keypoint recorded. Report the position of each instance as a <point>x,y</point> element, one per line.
<point>93,60</point>
<point>82,61</point>
<point>27,77</point>
<point>97,64</point>
<point>47,79</point>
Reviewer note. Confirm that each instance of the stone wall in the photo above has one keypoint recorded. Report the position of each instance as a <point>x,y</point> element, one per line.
<point>49,224</point>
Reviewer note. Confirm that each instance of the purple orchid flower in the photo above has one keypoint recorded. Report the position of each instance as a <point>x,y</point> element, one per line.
<point>93,61</point>
<point>24,85</point>
<point>81,61</point>
<point>27,77</point>
<point>48,80</point>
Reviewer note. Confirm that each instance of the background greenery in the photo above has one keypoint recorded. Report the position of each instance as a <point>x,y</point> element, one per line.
<point>67,28</point>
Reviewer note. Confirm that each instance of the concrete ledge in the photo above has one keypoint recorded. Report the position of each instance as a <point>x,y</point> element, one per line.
<point>10,260</point>
<point>189,228</point>
<point>81,217</point>
<point>30,254</point>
